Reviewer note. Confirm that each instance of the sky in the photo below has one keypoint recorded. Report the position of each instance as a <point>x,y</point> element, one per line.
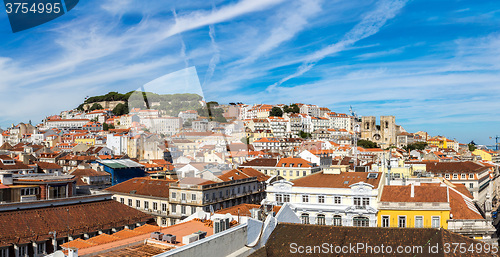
<point>432,64</point>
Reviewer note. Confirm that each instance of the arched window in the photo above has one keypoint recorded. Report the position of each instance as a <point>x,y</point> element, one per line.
<point>320,219</point>
<point>305,218</point>
<point>360,221</point>
<point>337,220</point>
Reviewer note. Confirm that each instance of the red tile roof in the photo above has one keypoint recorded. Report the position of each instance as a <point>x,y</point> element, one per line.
<point>342,180</point>
<point>143,186</point>
<point>35,224</point>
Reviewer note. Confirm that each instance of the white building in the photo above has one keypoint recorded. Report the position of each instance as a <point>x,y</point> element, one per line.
<point>188,115</point>
<point>66,123</point>
<point>163,125</point>
<point>117,143</point>
<point>331,197</point>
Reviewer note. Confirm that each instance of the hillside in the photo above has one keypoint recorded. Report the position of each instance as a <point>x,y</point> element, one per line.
<point>170,104</point>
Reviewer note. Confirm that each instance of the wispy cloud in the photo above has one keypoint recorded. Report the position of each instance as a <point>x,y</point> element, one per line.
<point>293,21</point>
<point>215,58</point>
<point>202,18</point>
<point>370,24</point>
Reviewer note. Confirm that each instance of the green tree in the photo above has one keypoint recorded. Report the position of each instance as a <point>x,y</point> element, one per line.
<point>303,134</point>
<point>107,127</point>
<point>416,146</point>
<point>367,144</point>
<point>120,109</point>
<point>472,146</point>
<point>96,106</point>
<point>294,108</point>
<point>276,111</point>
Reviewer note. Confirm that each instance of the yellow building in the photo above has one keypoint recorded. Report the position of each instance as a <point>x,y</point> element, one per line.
<point>85,139</point>
<point>410,206</point>
<point>443,142</point>
<point>487,155</point>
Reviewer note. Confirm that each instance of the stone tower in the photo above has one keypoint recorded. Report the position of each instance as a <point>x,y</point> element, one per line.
<point>368,126</point>
<point>388,129</point>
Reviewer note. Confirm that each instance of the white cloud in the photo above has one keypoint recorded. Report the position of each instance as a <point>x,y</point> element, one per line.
<point>369,25</point>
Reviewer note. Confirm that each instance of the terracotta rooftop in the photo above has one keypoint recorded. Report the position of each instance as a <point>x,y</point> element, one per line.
<point>244,209</point>
<point>422,193</point>
<point>311,235</point>
<point>294,163</point>
<point>261,162</point>
<point>143,186</point>
<point>342,180</point>
<point>451,167</point>
<point>35,224</point>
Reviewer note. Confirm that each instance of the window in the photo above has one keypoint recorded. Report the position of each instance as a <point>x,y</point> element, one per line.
<point>402,221</point>
<point>129,202</point>
<point>286,198</point>
<point>337,220</point>
<point>455,176</point>
<point>163,221</point>
<point>193,196</point>
<point>297,173</point>
<point>122,200</point>
<point>183,197</point>
<point>40,248</point>
<point>4,252</point>
<point>155,206</point>
<point>174,208</point>
<point>471,176</point>
<point>337,200</point>
<point>193,210</point>
<point>183,209</point>
<point>385,221</point>
<point>23,251</point>
<point>360,222</point>
<point>419,221</point>
<point>174,195</point>
<point>471,185</point>
<point>28,191</point>
<point>164,207</point>
<point>305,218</point>
<point>447,176</point>
<point>305,198</point>
<point>279,198</point>
<point>146,205</point>
<point>357,201</point>
<point>304,173</point>
<point>366,201</point>
<point>463,176</point>
<point>290,173</point>
<point>321,199</point>
<point>137,203</point>
<point>435,222</point>
<point>320,219</point>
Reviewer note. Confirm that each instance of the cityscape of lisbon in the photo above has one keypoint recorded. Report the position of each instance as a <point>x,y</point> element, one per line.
<point>146,174</point>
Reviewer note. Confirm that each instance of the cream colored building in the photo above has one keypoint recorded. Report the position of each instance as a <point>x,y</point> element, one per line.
<point>331,197</point>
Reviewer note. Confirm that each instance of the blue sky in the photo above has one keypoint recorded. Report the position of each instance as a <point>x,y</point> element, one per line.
<point>433,64</point>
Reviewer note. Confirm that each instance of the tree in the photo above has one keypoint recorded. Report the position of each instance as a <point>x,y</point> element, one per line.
<point>80,107</point>
<point>107,127</point>
<point>367,144</point>
<point>276,111</point>
<point>120,109</point>
<point>416,146</point>
<point>96,106</point>
<point>294,108</point>
<point>472,146</point>
<point>303,134</point>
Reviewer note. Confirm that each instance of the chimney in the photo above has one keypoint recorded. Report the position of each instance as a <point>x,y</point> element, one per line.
<point>412,192</point>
